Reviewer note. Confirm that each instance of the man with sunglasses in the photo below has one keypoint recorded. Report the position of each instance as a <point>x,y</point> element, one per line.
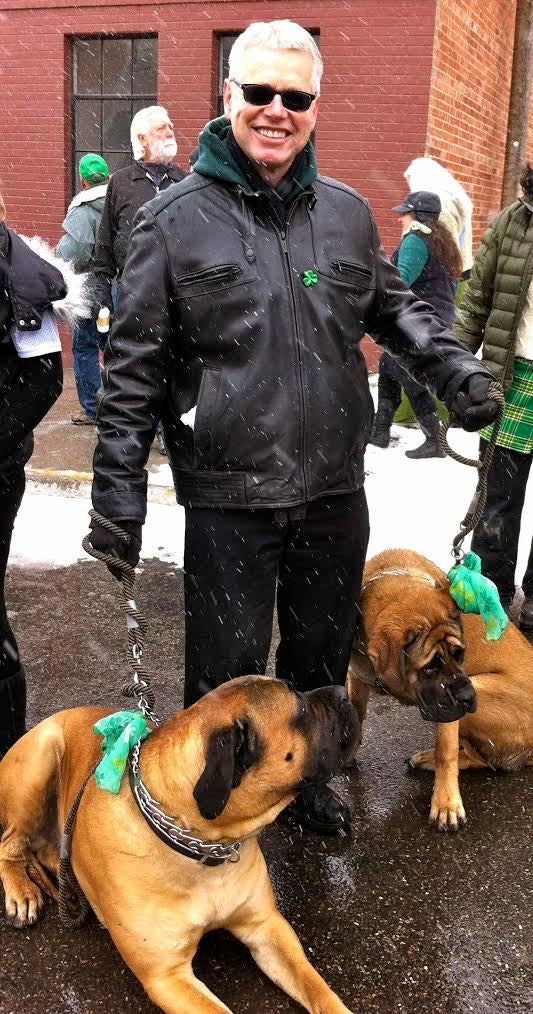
<point>247,290</point>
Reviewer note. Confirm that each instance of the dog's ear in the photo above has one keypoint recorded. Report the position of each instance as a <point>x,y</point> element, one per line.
<point>230,752</point>
<point>385,650</point>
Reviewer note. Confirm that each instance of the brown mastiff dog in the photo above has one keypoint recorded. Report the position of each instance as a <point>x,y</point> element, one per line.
<point>224,768</point>
<point>417,646</point>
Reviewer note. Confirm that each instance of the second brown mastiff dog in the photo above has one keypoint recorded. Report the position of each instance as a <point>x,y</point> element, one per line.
<point>223,768</point>
<point>416,646</point>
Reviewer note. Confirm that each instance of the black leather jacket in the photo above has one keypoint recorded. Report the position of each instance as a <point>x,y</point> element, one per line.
<point>215,313</point>
<point>128,189</point>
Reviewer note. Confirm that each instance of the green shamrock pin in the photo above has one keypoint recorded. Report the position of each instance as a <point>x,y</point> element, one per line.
<point>309,278</point>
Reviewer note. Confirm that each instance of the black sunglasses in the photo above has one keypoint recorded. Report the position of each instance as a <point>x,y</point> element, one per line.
<point>262,95</point>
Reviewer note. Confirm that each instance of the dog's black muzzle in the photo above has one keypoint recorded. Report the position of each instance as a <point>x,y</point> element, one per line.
<point>442,699</point>
<point>330,722</point>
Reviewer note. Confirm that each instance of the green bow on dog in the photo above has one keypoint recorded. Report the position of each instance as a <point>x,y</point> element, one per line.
<point>475,593</point>
<point>120,732</point>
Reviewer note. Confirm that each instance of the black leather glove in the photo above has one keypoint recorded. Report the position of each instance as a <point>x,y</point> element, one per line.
<point>106,542</point>
<point>472,408</point>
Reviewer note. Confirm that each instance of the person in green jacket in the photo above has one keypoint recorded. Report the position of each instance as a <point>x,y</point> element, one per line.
<point>496,315</point>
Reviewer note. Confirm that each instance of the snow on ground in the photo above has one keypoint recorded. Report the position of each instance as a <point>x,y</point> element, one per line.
<point>413,504</point>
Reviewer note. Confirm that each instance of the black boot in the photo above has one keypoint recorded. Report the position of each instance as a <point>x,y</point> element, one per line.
<point>380,435</point>
<point>12,709</point>
<point>320,809</point>
<point>526,615</point>
<point>429,424</point>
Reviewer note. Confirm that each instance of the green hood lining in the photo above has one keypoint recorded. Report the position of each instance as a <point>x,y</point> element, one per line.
<point>217,162</point>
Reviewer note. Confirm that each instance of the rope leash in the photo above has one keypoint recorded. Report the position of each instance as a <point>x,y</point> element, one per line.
<point>73,905</point>
<point>138,687</point>
<point>477,505</point>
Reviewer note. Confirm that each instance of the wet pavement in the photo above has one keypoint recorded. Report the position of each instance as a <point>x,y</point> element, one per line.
<point>63,452</point>
<point>401,920</point>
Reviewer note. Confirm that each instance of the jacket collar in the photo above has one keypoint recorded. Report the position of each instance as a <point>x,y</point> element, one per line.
<point>138,173</point>
<point>87,196</point>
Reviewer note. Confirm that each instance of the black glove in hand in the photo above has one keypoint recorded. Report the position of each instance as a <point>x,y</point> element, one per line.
<point>106,542</point>
<point>472,408</point>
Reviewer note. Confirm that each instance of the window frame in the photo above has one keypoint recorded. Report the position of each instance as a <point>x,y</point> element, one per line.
<point>137,99</point>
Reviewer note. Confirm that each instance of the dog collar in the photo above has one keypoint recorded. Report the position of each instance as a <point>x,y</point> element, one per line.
<point>177,838</point>
<point>418,575</point>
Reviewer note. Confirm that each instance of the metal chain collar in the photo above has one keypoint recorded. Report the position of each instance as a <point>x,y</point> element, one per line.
<point>178,838</point>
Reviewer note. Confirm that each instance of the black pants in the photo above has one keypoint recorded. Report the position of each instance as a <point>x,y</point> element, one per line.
<point>12,678</point>
<point>236,560</point>
<point>11,493</point>
<point>28,388</point>
<point>495,538</point>
<point>392,377</point>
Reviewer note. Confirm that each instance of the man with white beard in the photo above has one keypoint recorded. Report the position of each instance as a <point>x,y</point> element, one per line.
<point>154,147</point>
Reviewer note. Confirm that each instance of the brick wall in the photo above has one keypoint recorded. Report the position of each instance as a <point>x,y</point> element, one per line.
<point>374,103</point>
<point>469,101</point>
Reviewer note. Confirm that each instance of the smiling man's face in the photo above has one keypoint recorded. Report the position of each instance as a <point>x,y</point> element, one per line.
<point>271,136</point>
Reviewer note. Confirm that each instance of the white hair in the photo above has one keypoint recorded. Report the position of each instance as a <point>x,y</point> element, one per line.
<point>276,35</point>
<point>140,124</point>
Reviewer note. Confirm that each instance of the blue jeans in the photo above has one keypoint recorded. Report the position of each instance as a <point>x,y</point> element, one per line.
<point>86,341</point>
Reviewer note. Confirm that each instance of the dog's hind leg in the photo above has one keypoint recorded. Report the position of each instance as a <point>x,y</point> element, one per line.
<point>27,802</point>
<point>469,757</point>
<point>48,856</point>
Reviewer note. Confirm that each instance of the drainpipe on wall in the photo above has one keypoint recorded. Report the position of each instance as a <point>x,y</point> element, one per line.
<point>518,122</point>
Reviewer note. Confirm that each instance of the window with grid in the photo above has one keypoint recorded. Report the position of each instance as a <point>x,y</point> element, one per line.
<point>225,43</point>
<point>112,78</point>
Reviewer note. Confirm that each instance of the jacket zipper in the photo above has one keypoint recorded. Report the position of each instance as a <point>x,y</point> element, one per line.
<point>511,354</point>
<point>288,273</point>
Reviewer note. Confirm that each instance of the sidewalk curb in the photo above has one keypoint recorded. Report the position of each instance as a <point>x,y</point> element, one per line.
<point>69,482</point>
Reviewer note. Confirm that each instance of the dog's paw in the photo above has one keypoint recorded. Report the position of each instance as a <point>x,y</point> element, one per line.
<point>447,811</point>
<point>24,900</point>
<point>424,760</point>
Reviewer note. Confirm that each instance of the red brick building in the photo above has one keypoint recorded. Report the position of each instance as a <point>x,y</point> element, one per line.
<point>402,79</point>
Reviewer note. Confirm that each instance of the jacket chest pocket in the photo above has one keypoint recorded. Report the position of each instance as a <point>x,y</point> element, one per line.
<point>349,272</point>
<point>215,278</point>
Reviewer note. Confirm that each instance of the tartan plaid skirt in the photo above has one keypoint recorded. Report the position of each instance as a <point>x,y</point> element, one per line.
<point>516,430</point>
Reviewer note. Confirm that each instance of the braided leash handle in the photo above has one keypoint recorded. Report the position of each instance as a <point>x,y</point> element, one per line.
<point>477,505</point>
<point>138,687</point>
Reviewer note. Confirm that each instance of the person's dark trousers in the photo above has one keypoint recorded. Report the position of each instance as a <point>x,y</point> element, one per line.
<point>495,538</point>
<point>86,343</point>
<point>392,377</point>
<point>12,678</point>
<point>236,560</point>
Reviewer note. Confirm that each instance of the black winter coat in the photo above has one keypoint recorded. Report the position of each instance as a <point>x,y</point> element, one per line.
<point>127,191</point>
<point>28,387</point>
<point>28,284</point>
<point>215,312</point>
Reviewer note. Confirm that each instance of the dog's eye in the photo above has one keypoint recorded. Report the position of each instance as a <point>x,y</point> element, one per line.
<point>432,668</point>
<point>458,654</point>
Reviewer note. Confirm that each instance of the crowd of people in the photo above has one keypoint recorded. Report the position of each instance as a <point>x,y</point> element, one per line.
<point>244,288</point>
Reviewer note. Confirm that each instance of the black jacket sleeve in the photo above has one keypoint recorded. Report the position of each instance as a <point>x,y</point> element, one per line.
<point>105,267</point>
<point>409,330</point>
<point>134,377</point>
